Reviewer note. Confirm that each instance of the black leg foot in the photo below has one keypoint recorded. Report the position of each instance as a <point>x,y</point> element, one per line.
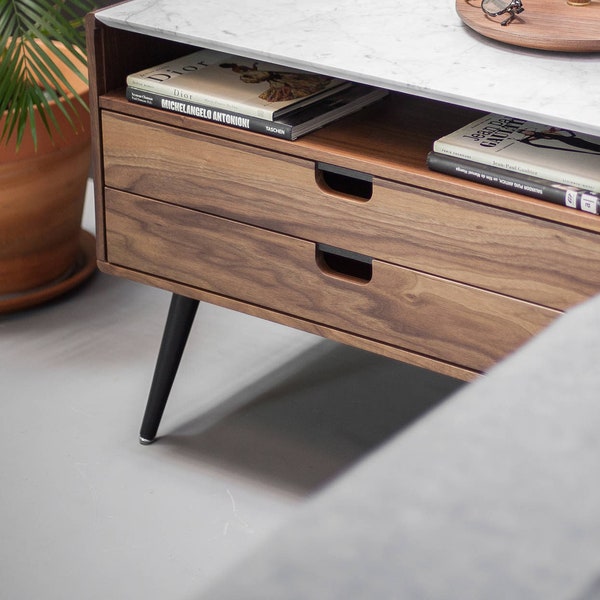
<point>177,328</point>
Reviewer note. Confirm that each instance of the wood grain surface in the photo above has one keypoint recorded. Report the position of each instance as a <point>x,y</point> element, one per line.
<point>457,323</point>
<point>545,24</point>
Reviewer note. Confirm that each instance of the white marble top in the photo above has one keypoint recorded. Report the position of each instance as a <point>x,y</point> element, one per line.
<point>420,47</point>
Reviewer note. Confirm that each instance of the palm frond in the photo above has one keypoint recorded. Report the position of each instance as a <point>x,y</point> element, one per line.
<point>29,76</point>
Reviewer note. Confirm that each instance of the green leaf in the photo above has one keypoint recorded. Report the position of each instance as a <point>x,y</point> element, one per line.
<point>29,77</point>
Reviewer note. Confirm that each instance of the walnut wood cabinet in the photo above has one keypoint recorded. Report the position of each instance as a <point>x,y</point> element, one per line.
<point>344,233</point>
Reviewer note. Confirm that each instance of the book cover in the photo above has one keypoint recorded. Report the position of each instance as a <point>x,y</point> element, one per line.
<point>234,83</point>
<point>528,185</point>
<point>551,153</point>
<point>294,124</point>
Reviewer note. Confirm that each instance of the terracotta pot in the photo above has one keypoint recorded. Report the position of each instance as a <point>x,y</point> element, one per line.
<point>41,200</point>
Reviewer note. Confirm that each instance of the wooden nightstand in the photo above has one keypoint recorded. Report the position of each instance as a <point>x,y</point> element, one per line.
<point>344,233</point>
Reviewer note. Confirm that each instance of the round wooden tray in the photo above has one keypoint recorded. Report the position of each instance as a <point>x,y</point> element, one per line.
<point>544,24</point>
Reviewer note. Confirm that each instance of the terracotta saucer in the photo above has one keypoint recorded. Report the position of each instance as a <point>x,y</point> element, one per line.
<point>83,268</point>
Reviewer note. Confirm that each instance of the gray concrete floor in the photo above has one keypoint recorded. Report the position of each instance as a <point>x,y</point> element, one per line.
<point>260,417</point>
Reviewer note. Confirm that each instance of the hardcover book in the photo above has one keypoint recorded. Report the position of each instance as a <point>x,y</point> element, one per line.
<point>290,126</point>
<point>528,185</point>
<point>551,153</point>
<point>233,83</point>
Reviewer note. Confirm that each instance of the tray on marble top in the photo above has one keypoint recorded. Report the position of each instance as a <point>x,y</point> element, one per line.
<point>544,25</point>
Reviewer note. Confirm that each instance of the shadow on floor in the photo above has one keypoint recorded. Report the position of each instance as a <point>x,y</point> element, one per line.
<point>311,419</point>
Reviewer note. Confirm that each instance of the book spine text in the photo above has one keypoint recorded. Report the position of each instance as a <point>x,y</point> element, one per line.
<point>209,113</point>
<point>533,187</point>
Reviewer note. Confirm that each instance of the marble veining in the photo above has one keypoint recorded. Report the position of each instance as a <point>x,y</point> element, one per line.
<point>417,47</point>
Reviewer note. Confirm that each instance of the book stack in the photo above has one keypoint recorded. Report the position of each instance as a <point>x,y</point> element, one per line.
<point>247,94</point>
<point>550,163</point>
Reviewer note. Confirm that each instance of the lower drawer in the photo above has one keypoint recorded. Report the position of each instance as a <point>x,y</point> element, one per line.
<point>456,323</point>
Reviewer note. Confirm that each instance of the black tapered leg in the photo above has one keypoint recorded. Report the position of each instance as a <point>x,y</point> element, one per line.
<point>177,328</point>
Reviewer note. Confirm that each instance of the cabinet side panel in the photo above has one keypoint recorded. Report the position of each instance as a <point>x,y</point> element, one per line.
<point>112,55</point>
<point>96,82</point>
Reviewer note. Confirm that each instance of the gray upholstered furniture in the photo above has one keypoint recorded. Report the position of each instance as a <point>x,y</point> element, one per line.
<point>493,495</point>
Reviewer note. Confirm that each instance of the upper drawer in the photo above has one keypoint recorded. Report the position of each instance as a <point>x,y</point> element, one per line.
<point>516,255</point>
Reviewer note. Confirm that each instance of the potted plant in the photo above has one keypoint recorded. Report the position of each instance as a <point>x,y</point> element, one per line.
<point>44,148</point>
